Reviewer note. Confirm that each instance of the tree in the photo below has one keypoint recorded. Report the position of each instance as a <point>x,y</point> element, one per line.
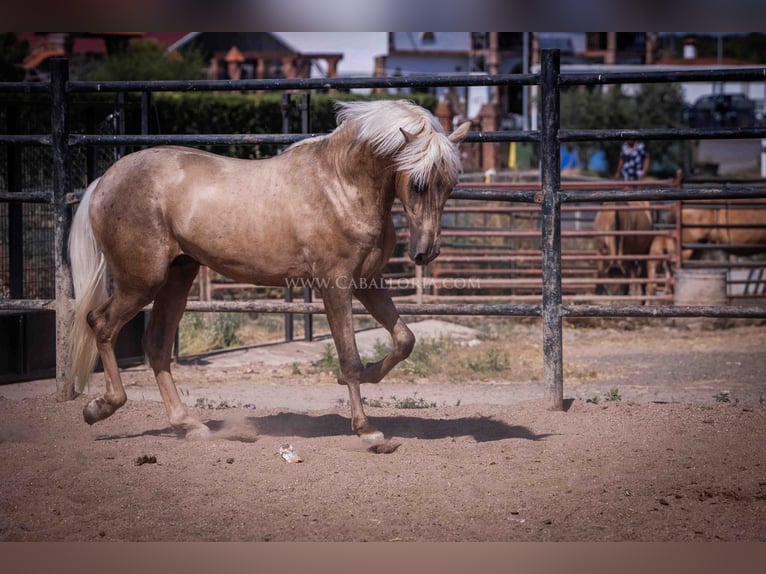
<point>144,59</point>
<point>12,53</point>
<point>652,106</point>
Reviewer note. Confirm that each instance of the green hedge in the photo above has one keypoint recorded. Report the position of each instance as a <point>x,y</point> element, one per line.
<point>187,113</point>
<point>214,113</point>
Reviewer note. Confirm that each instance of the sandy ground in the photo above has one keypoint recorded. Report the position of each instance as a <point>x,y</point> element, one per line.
<point>488,462</point>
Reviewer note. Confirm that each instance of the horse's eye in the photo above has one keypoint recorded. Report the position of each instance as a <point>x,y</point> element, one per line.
<point>419,188</point>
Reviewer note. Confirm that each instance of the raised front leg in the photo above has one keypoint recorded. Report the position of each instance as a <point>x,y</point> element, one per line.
<point>378,302</point>
<point>337,302</point>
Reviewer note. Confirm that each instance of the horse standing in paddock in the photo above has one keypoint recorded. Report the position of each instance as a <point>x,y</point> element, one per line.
<point>662,246</point>
<point>319,211</point>
<point>617,249</point>
<point>737,226</point>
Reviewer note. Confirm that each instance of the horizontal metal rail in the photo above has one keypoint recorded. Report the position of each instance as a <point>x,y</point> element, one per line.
<point>730,312</point>
<point>451,80</point>
<point>435,309</point>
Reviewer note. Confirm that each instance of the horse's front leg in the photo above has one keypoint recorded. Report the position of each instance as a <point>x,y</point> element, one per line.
<point>378,302</point>
<point>337,302</point>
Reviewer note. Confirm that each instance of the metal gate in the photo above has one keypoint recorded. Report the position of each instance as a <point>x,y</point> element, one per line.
<point>550,197</point>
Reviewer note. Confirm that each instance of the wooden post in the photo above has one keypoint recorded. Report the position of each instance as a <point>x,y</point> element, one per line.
<point>553,366</point>
<point>62,185</point>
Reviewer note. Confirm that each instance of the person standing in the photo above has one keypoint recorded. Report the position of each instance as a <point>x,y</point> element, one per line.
<point>634,161</point>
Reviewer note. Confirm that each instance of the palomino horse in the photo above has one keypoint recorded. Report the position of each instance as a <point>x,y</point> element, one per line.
<point>319,211</point>
<point>617,249</point>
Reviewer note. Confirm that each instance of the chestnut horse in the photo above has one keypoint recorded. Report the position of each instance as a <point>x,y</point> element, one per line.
<point>616,250</point>
<point>319,211</point>
<point>736,226</point>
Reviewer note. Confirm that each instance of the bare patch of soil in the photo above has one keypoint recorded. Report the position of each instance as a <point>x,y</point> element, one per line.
<point>489,462</point>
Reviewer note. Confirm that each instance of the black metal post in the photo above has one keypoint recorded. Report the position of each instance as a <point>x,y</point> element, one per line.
<point>15,211</point>
<point>553,366</point>
<point>286,107</point>
<point>145,106</point>
<point>120,110</point>
<point>15,242</point>
<point>91,154</point>
<point>62,185</point>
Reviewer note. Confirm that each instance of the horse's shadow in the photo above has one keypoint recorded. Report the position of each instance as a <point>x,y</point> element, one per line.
<point>482,429</point>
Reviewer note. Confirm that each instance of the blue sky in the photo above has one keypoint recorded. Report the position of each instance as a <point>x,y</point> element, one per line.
<point>358,48</point>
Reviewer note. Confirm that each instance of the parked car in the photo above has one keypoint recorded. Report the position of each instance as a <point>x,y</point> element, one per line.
<point>721,111</point>
<point>511,122</point>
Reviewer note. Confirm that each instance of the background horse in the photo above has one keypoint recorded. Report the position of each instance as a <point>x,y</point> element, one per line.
<point>321,210</point>
<point>615,248</point>
<point>737,226</point>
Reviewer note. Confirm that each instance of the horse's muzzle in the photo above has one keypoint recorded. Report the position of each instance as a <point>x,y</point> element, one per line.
<point>423,246</point>
<point>424,256</point>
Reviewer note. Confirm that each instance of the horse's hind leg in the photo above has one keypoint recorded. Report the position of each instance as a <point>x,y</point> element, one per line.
<point>169,304</point>
<point>378,302</point>
<point>106,322</point>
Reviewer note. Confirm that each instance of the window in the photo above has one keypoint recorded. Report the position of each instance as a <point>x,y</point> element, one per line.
<point>427,37</point>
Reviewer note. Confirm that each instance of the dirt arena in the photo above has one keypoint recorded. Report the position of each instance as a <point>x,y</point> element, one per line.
<point>679,457</point>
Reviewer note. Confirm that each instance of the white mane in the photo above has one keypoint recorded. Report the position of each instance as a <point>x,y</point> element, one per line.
<point>379,122</point>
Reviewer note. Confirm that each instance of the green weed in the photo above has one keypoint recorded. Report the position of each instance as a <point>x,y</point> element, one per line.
<point>722,397</point>
<point>329,360</point>
<point>421,360</point>
<point>612,396</point>
<point>490,362</point>
<point>413,402</point>
<point>225,329</point>
<point>203,403</point>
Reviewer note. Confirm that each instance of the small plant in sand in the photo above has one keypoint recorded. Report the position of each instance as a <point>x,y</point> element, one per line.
<point>205,403</point>
<point>491,361</point>
<point>421,360</point>
<point>612,396</point>
<point>329,360</point>
<point>413,402</point>
<point>722,397</point>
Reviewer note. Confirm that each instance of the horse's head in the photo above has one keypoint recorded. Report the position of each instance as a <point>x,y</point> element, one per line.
<point>425,159</point>
<point>423,191</point>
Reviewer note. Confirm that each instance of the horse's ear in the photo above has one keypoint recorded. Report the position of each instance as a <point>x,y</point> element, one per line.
<point>408,137</point>
<point>459,134</point>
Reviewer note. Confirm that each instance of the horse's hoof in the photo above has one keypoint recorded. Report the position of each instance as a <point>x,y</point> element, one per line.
<point>371,435</point>
<point>97,410</point>
<point>198,433</point>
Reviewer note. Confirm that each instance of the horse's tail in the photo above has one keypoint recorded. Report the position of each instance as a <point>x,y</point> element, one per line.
<point>89,278</point>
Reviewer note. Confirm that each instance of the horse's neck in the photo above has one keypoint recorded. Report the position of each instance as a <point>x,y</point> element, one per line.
<point>371,177</point>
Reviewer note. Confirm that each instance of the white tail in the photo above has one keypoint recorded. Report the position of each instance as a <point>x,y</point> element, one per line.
<point>89,278</point>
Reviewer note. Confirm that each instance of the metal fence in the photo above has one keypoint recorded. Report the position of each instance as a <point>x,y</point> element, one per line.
<point>550,197</point>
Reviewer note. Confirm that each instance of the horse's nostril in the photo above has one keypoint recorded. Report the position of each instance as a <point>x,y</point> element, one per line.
<point>420,259</point>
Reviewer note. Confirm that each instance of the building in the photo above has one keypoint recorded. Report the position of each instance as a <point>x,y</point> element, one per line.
<point>230,55</point>
<point>254,55</point>
<point>456,53</point>
<point>46,45</point>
